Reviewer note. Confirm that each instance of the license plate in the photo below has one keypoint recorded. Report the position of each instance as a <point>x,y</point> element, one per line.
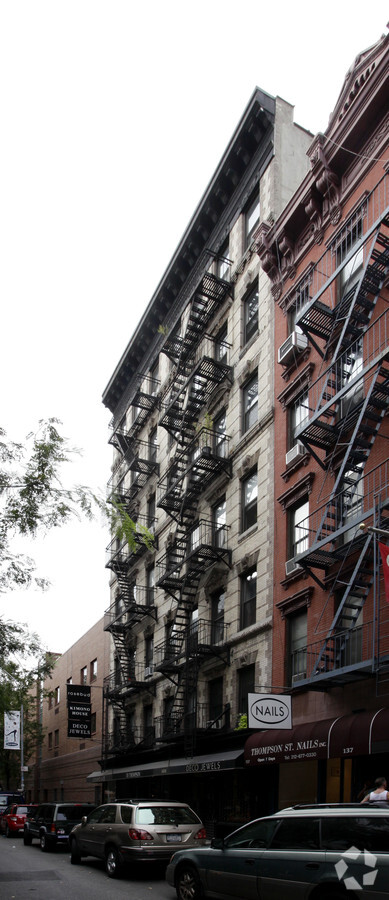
<point>173,838</point>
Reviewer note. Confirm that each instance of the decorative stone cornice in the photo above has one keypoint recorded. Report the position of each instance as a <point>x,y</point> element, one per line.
<point>297,492</point>
<point>299,600</point>
<point>325,179</point>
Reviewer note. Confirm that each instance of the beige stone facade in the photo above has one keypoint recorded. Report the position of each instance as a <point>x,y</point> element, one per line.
<point>200,366</point>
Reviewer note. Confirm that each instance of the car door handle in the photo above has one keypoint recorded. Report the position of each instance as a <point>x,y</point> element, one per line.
<point>312,865</point>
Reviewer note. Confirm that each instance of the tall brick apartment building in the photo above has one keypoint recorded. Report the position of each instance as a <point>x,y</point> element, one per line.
<point>193,441</point>
<point>62,764</point>
<point>327,258</point>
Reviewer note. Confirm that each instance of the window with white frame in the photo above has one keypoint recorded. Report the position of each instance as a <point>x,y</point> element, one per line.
<point>251,217</point>
<point>221,348</point>
<point>297,643</point>
<point>250,313</point>
<point>250,403</point>
<point>219,518</point>
<point>249,501</point>
<point>248,598</point>
<point>217,616</point>
<point>298,414</point>
<point>223,263</point>
<point>298,528</point>
<point>220,426</point>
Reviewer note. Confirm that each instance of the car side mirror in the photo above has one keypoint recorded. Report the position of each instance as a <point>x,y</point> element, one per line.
<point>217,843</point>
<point>84,820</point>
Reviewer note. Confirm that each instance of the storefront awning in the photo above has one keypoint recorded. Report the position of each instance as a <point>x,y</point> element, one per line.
<point>356,735</point>
<point>214,762</point>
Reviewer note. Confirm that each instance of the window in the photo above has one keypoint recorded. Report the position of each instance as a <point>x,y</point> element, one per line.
<point>222,263</point>
<point>215,693</point>
<point>56,738</point>
<point>93,670</point>
<point>350,367</point>
<point>299,529</point>
<point>219,524</point>
<point>250,403</point>
<point>149,652</point>
<point>193,630</point>
<point>246,685</point>
<point>57,695</point>
<point>194,538</point>
<point>249,501</point>
<point>220,425</point>
<point>297,643</point>
<point>150,586</point>
<point>250,311</point>
<point>221,347</point>
<point>297,834</point>
<point>84,675</point>
<point>93,723</point>
<point>217,615</point>
<point>69,680</point>
<point>298,413</point>
<point>251,218</point>
<point>351,271</point>
<point>153,446</point>
<point>248,598</point>
<point>50,740</point>
<point>148,726</point>
<point>154,375</point>
<point>151,512</point>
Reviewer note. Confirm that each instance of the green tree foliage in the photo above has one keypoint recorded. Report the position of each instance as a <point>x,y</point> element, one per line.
<point>32,500</point>
<point>32,497</point>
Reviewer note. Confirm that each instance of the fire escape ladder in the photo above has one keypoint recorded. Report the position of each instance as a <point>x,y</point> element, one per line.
<point>353,313</point>
<point>357,586</point>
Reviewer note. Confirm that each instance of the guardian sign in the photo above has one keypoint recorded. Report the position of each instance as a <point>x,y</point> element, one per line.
<point>269,711</point>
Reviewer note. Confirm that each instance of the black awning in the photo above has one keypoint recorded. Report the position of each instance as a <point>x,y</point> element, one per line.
<point>212,762</point>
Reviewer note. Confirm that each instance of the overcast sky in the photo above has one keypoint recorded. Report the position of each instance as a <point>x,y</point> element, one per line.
<point>114,115</point>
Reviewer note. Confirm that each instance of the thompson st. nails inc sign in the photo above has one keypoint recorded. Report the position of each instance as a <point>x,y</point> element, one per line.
<point>269,711</point>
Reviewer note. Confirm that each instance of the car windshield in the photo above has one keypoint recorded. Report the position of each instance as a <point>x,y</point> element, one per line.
<point>21,810</point>
<point>165,815</point>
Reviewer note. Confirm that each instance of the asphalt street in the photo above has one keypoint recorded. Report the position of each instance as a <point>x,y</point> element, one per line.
<point>26,872</point>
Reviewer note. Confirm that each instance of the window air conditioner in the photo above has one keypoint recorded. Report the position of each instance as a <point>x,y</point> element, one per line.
<point>296,453</point>
<point>294,344</point>
<point>149,671</point>
<point>291,567</point>
<point>298,677</point>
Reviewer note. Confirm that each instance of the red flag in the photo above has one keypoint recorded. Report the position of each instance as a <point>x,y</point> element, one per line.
<point>384,550</point>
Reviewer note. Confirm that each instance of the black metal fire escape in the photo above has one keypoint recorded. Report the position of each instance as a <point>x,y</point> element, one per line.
<point>347,405</point>
<point>132,602</point>
<point>199,459</point>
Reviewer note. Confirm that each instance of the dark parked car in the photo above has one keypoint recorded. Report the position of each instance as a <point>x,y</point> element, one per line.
<point>52,823</point>
<point>135,831</point>
<point>331,852</point>
<point>13,818</point>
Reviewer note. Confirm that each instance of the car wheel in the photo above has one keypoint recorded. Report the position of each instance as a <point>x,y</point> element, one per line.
<point>7,832</point>
<point>188,885</point>
<point>75,855</point>
<point>113,863</point>
<point>27,839</point>
<point>45,846</point>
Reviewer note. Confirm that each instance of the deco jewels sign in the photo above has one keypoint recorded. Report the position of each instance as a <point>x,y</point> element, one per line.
<point>269,711</point>
<point>79,710</point>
